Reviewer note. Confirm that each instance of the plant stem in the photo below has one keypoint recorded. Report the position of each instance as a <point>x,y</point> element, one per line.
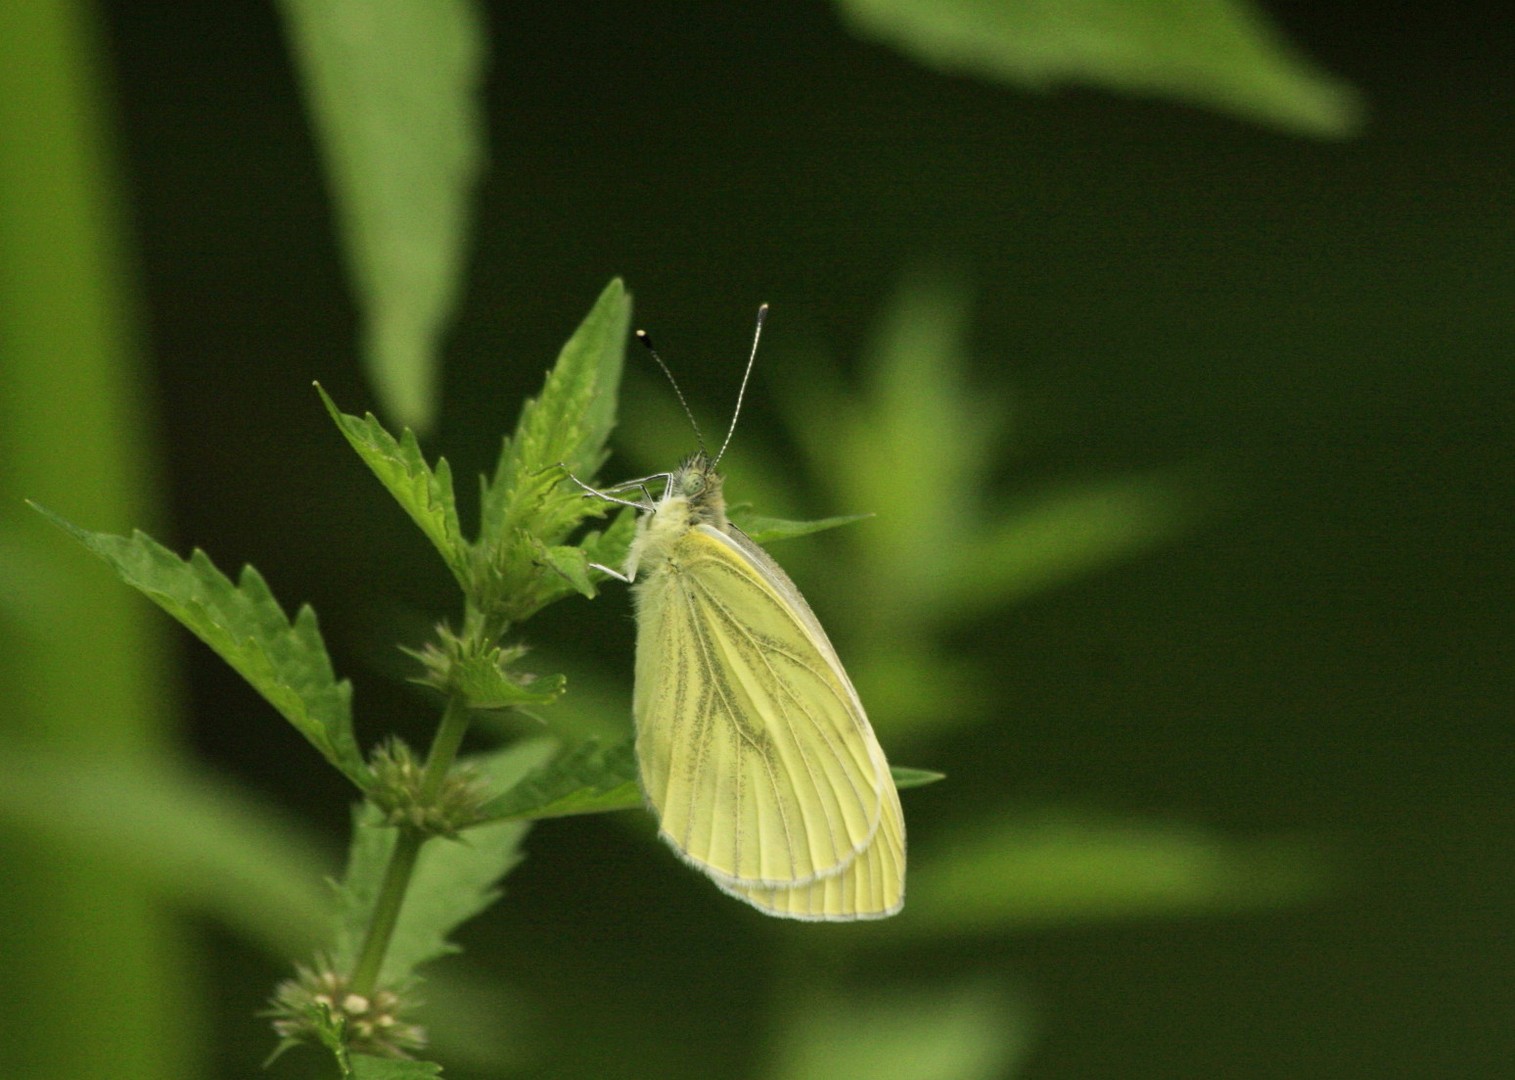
<point>444,747</point>
<point>386,911</point>
<point>402,860</point>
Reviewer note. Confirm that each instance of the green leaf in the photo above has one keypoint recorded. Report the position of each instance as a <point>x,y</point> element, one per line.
<point>566,425</point>
<point>530,506</point>
<point>588,779</point>
<point>906,778</point>
<point>367,1067</point>
<point>952,550</point>
<point>1219,54</point>
<point>486,686</point>
<point>189,836</point>
<point>573,564</point>
<point>425,495</point>
<point>974,1031</point>
<point>394,94</point>
<point>765,530</point>
<point>453,881</point>
<point>921,428</point>
<point>572,572</point>
<point>284,661</point>
<point>1067,869</point>
<point>608,547</point>
<point>1064,535</point>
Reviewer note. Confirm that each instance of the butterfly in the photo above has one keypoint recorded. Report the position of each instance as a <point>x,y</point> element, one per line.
<point>754,751</point>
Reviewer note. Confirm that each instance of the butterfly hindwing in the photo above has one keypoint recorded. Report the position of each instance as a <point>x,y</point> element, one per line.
<point>871,888</point>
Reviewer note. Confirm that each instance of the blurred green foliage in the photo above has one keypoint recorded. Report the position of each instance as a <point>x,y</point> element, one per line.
<point>393,90</point>
<point>1351,326</point>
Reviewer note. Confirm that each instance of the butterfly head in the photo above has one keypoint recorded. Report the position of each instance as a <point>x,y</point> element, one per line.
<point>695,489</point>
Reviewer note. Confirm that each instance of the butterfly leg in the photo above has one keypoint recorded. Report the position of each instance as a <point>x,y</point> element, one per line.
<point>604,496</point>
<point>626,578</point>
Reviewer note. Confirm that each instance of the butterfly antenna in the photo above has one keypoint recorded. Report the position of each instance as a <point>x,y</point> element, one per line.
<point>742,393</point>
<point>643,337</point>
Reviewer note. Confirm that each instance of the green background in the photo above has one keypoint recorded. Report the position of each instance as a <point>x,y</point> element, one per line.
<point>1320,330</point>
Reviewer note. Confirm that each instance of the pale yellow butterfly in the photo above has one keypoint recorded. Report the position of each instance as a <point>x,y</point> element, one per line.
<point>754,751</point>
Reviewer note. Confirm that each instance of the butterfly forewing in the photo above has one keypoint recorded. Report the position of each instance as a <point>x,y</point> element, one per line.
<point>748,731</point>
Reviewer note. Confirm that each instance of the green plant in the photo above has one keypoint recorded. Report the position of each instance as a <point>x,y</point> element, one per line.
<point>434,834</point>
<point>405,262</point>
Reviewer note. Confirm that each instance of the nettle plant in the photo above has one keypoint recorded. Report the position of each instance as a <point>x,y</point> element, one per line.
<point>409,882</point>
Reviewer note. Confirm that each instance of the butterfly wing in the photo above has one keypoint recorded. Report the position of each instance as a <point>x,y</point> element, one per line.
<point>755,754</point>
<point>872,887</point>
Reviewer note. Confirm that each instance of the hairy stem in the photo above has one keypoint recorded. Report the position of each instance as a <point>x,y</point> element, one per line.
<point>402,860</point>
<point>386,912</point>
<point>444,747</point>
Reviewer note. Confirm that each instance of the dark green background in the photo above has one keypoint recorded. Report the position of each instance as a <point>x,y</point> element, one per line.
<point>1329,655</point>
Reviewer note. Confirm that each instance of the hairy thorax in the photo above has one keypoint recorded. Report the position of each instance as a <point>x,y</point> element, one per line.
<point>691,498</point>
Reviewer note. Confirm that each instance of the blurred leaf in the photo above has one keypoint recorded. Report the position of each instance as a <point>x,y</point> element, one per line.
<point>971,1033</point>
<point>597,706</point>
<point>425,495</point>
<point>905,778</point>
<point>1063,870</point>
<point>919,429</point>
<point>945,549</point>
<point>1066,534</point>
<point>365,1067</point>
<point>394,94</point>
<point>765,530</point>
<point>1220,54</point>
<point>920,690</point>
<point>477,1019</point>
<point>192,839</point>
<point>284,661</point>
<point>84,666</point>
<point>454,880</point>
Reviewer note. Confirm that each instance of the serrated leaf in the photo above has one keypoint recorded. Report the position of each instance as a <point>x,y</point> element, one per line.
<point>566,425</point>
<point>394,94</point>
<point>765,530</point>
<point>368,1067</point>
<point>283,660</point>
<point>485,686</point>
<point>570,565</point>
<point>453,880</point>
<point>573,564</point>
<point>424,494</point>
<point>609,546</point>
<point>1221,54</point>
<point>588,779</point>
